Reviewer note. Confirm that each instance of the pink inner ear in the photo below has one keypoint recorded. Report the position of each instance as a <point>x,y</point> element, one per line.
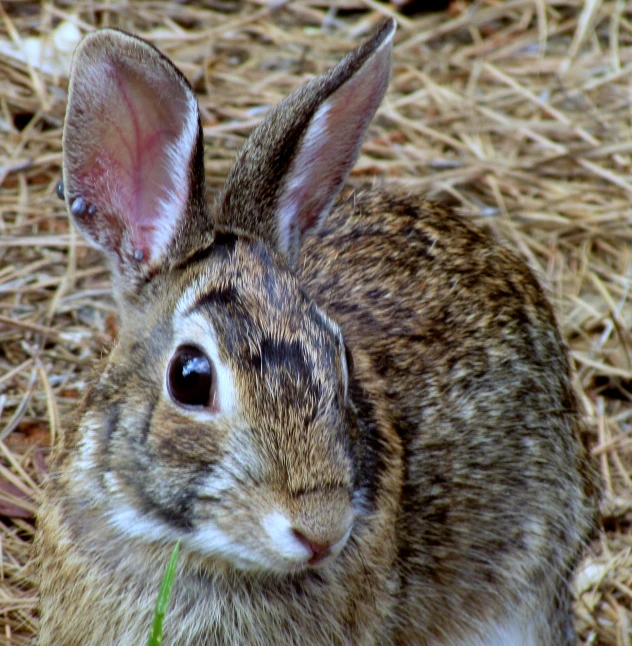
<point>131,150</point>
<point>330,147</point>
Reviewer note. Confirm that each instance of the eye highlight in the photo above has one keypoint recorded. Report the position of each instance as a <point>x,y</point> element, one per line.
<point>191,378</point>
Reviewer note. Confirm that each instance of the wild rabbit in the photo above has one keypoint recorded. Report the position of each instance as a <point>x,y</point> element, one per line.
<point>367,435</point>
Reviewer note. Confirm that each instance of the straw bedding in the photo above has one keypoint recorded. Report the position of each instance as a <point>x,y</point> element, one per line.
<point>517,112</point>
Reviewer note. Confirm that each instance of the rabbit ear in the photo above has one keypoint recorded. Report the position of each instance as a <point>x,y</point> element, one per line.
<point>133,160</point>
<point>293,165</point>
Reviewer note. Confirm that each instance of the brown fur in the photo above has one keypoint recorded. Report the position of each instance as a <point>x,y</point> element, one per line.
<point>454,435</point>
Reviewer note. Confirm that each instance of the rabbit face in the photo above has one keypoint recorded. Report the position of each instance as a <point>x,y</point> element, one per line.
<point>222,417</point>
<point>244,415</point>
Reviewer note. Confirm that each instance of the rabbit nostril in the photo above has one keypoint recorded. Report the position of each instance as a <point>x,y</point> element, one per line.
<point>319,551</point>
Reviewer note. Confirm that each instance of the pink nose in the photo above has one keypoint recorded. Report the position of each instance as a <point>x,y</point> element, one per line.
<point>319,551</point>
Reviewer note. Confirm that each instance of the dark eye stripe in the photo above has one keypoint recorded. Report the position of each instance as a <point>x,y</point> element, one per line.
<point>277,353</point>
<point>224,243</point>
<point>220,297</point>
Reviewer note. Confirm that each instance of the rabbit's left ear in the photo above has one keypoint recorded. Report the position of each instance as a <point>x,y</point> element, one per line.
<point>295,162</point>
<point>133,154</point>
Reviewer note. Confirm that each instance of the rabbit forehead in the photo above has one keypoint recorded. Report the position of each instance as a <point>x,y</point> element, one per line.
<point>286,364</point>
<point>253,303</point>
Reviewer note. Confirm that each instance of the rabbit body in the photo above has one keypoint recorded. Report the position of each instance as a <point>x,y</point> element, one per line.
<point>391,451</point>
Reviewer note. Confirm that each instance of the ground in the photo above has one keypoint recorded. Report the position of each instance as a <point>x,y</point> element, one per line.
<point>517,112</point>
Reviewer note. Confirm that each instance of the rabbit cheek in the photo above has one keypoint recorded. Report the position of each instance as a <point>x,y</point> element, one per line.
<point>159,485</point>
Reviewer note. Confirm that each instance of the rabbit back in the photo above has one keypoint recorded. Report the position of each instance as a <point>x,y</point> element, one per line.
<point>453,335</point>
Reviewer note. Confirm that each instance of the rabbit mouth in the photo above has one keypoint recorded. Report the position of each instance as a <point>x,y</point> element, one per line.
<point>324,555</point>
<point>274,546</point>
<point>264,558</point>
<point>306,547</point>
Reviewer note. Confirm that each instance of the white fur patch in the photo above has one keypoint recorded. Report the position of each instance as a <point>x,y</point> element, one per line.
<point>84,471</point>
<point>279,530</point>
<point>207,539</point>
<point>135,524</point>
<point>88,445</point>
<point>173,205</point>
<point>509,632</point>
<point>212,541</point>
<point>191,294</point>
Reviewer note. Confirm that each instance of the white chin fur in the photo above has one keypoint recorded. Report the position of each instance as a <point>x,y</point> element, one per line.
<point>210,541</point>
<point>206,540</point>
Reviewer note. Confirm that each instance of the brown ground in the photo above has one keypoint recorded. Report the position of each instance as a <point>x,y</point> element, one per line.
<point>519,112</point>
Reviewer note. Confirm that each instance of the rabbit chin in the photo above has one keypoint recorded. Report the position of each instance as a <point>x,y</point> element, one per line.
<point>278,551</point>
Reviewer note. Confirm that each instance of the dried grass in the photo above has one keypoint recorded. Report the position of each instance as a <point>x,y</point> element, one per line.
<point>519,112</point>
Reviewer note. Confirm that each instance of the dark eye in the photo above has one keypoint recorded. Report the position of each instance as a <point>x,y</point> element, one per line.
<point>191,380</point>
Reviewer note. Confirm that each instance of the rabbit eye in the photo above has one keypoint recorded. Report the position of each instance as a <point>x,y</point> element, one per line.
<point>191,379</point>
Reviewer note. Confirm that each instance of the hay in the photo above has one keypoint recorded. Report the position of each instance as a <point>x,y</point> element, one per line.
<point>518,112</point>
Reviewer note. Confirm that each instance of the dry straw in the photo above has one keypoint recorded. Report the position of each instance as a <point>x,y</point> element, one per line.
<point>518,112</point>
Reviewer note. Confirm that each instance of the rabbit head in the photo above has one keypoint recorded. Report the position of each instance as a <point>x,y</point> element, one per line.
<point>222,416</point>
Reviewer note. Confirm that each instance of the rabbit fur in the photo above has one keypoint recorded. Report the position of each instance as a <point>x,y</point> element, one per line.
<point>384,444</point>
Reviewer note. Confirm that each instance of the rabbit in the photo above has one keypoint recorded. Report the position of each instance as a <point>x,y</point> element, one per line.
<point>355,414</point>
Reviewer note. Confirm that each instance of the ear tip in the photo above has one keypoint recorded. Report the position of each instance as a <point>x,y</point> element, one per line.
<point>109,34</point>
<point>112,43</point>
<point>114,48</point>
<point>385,32</point>
<point>100,37</point>
<point>97,46</point>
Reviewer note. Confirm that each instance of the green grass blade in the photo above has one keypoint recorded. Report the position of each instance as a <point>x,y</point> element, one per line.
<point>155,636</point>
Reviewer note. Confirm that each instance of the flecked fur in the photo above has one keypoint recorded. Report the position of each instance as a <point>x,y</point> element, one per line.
<point>406,364</point>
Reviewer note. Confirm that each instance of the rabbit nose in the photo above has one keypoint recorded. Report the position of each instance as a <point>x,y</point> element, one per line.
<point>319,551</point>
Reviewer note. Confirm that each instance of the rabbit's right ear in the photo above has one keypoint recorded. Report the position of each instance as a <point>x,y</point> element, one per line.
<point>132,153</point>
<point>290,170</point>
